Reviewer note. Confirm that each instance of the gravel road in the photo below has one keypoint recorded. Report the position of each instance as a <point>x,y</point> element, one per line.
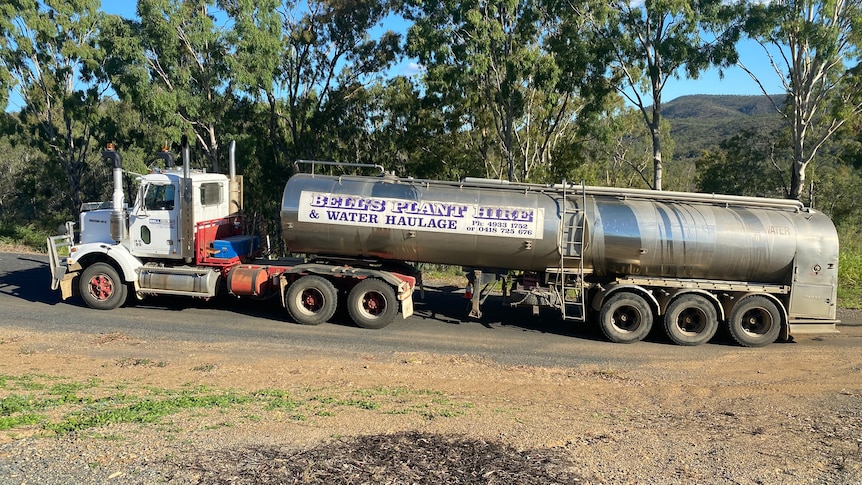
<point>433,399</point>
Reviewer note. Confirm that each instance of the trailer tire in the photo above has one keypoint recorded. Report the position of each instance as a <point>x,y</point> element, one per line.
<point>102,288</point>
<point>372,304</point>
<point>755,322</point>
<point>311,300</point>
<point>626,318</point>
<point>691,320</point>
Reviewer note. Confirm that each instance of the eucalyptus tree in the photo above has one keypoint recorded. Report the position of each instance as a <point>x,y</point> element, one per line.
<point>178,72</point>
<point>489,65</point>
<point>301,68</point>
<point>813,46</point>
<point>51,59</point>
<point>625,151</point>
<point>330,55</point>
<point>258,40</point>
<point>749,163</point>
<point>9,11</point>
<point>645,44</point>
<point>19,169</point>
<point>410,134</point>
<point>310,60</point>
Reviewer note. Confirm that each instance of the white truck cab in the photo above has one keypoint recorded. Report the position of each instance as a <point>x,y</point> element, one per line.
<point>184,236</point>
<point>155,219</point>
<point>164,244</point>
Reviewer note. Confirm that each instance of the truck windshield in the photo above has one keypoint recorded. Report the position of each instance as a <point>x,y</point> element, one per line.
<point>159,197</point>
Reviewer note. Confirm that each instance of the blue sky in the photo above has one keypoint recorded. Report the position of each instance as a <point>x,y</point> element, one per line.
<point>735,81</point>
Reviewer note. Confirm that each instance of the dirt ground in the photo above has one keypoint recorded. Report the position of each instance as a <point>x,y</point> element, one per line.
<point>788,413</point>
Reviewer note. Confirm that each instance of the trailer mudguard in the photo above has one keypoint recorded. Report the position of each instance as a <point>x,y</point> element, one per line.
<point>612,288</point>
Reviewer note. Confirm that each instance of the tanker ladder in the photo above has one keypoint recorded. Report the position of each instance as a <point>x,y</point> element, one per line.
<point>570,273</point>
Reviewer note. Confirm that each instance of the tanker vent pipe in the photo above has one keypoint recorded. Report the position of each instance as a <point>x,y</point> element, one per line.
<point>118,217</point>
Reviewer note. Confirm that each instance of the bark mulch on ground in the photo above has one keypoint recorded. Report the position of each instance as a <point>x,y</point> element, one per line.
<point>404,458</point>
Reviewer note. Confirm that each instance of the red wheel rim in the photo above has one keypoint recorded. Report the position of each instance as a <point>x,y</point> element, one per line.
<point>101,287</point>
<point>312,300</point>
<point>374,303</point>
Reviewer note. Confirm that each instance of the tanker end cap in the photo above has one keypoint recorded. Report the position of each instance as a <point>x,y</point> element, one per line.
<point>110,153</point>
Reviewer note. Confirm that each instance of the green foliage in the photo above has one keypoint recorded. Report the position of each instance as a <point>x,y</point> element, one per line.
<point>836,193</point>
<point>700,123</point>
<point>490,66</point>
<point>25,236</point>
<point>850,269</point>
<point>646,44</point>
<point>329,54</point>
<point>442,272</point>
<point>20,420</point>
<point>615,150</point>
<point>50,54</point>
<point>59,405</point>
<point>720,108</point>
<point>142,411</point>
<point>745,164</point>
<point>182,78</point>
<point>810,43</point>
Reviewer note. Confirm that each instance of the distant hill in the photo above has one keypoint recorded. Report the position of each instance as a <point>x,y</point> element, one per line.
<point>701,122</point>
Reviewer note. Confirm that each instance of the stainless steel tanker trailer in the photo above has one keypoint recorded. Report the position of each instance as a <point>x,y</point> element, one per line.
<point>767,268</point>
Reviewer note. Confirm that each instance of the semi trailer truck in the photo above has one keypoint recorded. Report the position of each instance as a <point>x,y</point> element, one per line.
<point>626,259</point>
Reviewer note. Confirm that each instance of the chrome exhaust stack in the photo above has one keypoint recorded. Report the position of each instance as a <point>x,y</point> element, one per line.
<point>118,217</point>
<point>187,223</point>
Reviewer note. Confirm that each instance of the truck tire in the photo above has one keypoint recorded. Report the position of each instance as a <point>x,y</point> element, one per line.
<point>311,300</point>
<point>691,320</point>
<point>625,318</point>
<point>372,304</point>
<point>102,288</point>
<point>755,322</point>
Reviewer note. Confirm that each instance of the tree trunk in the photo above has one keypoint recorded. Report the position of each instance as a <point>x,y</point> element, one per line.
<point>798,132</point>
<point>797,180</point>
<point>655,128</point>
<point>212,147</point>
<point>280,151</point>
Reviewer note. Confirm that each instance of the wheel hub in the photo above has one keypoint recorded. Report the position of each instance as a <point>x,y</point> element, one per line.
<point>101,287</point>
<point>372,304</point>
<point>756,323</point>
<point>626,319</point>
<point>312,301</point>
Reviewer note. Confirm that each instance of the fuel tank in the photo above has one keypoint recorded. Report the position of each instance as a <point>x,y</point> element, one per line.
<point>615,232</point>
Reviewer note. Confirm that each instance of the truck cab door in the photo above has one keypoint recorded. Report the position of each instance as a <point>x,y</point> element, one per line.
<point>153,225</point>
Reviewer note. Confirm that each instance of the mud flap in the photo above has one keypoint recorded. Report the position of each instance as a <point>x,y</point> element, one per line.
<point>66,285</point>
<point>407,307</point>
